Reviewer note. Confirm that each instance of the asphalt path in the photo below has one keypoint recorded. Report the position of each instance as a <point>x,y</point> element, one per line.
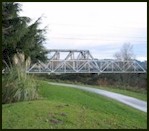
<point>133,102</point>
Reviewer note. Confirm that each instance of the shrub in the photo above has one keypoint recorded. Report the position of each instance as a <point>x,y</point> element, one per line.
<point>18,86</point>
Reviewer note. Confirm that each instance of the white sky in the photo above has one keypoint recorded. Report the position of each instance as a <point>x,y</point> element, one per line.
<point>101,27</point>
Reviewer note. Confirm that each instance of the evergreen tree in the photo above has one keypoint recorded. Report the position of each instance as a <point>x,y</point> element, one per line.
<point>18,36</point>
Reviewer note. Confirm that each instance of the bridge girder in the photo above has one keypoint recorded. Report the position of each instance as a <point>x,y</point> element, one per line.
<point>81,61</point>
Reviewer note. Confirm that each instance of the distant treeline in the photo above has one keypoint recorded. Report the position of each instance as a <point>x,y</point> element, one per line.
<point>136,82</point>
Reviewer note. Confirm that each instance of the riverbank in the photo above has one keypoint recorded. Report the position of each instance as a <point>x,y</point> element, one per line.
<point>67,108</point>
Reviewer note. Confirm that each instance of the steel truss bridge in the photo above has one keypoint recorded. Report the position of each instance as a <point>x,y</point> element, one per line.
<point>81,61</point>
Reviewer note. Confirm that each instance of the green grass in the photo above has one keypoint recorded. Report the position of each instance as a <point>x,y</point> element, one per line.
<point>139,95</point>
<point>63,107</point>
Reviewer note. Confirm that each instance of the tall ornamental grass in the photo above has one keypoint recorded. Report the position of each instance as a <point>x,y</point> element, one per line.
<point>18,86</point>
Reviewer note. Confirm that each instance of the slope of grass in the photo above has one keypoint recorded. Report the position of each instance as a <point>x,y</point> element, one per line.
<point>62,107</point>
<point>139,95</point>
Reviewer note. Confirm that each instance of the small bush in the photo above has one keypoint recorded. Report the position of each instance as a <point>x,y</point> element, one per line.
<point>18,86</point>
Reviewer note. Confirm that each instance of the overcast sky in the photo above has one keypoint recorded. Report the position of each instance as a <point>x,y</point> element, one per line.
<point>101,27</point>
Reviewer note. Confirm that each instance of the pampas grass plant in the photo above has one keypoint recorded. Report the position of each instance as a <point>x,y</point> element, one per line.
<point>17,85</point>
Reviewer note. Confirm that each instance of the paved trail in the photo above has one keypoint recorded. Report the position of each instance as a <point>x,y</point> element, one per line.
<point>133,102</point>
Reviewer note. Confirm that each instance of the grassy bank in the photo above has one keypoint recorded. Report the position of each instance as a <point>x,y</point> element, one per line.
<point>62,107</point>
<point>139,95</point>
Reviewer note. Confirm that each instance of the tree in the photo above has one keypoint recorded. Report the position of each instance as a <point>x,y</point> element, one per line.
<point>32,43</point>
<point>19,37</point>
<point>13,29</point>
<point>20,43</point>
<point>125,53</point>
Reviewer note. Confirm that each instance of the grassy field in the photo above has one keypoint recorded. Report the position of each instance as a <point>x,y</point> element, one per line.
<point>139,95</point>
<point>62,107</point>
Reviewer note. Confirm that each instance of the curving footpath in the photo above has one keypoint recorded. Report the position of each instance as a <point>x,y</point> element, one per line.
<point>133,102</point>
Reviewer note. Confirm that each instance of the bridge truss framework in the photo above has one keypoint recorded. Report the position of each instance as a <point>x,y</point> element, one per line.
<point>81,61</point>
